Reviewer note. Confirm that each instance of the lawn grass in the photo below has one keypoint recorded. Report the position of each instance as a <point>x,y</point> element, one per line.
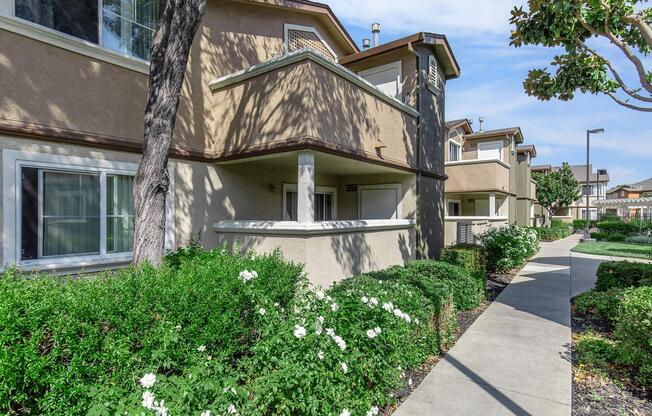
<point>605,248</point>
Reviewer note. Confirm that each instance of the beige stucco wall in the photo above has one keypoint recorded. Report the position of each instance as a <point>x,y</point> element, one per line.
<point>479,176</point>
<point>232,37</point>
<point>470,148</point>
<point>331,258</point>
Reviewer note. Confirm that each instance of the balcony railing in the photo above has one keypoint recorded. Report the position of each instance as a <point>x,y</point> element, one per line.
<point>490,175</point>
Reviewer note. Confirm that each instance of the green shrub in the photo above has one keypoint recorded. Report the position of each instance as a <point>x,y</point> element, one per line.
<point>509,247</point>
<point>616,238</point>
<point>468,289</point>
<point>625,228</point>
<point>642,225</point>
<point>599,235</point>
<point>602,305</point>
<point>610,217</point>
<point>596,351</point>
<point>75,344</point>
<point>634,331</point>
<point>622,274</point>
<point>469,256</point>
<point>639,239</point>
<point>580,224</point>
<point>554,233</point>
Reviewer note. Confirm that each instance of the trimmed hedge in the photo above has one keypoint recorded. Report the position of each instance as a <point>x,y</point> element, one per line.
<point>468,290</point>
<point>622,274</point>
<point>634,331</point>
<point>469,256</point>
<point>554,233</point>
<point>624,228</point>
<point>509,247</point>
<point>580,224</point>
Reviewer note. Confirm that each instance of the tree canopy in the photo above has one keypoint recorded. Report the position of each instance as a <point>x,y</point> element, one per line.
<point>573,24</point>
<point>557,189</point>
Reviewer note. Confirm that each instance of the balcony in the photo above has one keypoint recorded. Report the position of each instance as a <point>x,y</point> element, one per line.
<point>303,100</point>
<point>466,176</point>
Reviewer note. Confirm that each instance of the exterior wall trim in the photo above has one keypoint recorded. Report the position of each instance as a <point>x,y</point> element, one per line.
<point>478,218</point>
<point>310,229</point>
<point>479,191</point>
<point>71,43</point>
<point>478,161</point>
<point>302,55</point>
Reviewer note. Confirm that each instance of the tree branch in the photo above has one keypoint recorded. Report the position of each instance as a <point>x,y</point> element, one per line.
<point>632,93</point>
<point>646,30</point>
<point>628,105</point>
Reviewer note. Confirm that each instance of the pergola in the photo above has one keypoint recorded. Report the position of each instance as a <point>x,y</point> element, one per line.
<point>644,204</point>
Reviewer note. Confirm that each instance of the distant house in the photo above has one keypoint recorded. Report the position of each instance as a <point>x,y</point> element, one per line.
<point>631,201</point>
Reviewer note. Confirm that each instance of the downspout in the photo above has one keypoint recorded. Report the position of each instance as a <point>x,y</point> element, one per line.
<point>418,147</point>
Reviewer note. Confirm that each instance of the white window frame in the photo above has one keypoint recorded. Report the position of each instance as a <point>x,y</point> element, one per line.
<point>396,65</point>
<point>292,187</point>
<point>459,150</point>
<point>12,163</point>
<point>10,22</point>
<point>453,201</point>
<point>399,197</point>
<point>499,142</point>
<point>289,26</point>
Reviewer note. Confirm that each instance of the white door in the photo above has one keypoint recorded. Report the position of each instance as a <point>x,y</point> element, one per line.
<point>491,150</point>
<point>379,203</point>
<point>386,78</point>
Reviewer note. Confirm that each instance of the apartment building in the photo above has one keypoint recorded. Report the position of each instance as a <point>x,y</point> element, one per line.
<point>630,201</point>
<point>489,181</point>
<point>596,189</point>
<point>288,136</point>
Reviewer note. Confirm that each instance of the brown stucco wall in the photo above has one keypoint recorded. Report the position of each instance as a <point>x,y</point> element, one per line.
<point>470,148</point>
<point>480,176</point>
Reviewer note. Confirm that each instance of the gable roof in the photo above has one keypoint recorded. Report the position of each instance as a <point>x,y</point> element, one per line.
<point>642,186</point>
<point>462,122</point>
<point>516,131</point>
<point>579,172</point>
<point>541,168</point>
<point>527,148</point>
<point>438,42</point>
<point>320,9</point>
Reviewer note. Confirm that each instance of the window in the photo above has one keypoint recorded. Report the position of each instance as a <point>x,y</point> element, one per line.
<point>490,150</point>
<point>454,151</point>
<point>125,26</point>
<point>301,37</point>
<point>386,78</point>
<point>593,211</point>
<point>379,202</point>
<point>62,213</point>
<point>454,208</point>
<point>325,203</point>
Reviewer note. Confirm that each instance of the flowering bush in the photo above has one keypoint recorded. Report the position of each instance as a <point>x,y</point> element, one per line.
<point>509,247</point>
<point>215,333</point>
<point>469,256</point>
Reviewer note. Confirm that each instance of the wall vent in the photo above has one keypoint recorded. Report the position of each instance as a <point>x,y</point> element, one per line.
<point>352,188</point>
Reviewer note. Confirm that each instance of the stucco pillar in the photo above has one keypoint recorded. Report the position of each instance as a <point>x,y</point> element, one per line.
<point>306,187</point>
<point>492,205</point>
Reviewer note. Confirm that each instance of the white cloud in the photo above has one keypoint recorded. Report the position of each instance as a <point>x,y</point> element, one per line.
<point>462,17</point>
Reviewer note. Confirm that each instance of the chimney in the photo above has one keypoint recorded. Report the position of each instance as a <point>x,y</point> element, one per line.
<point>375,29</point>
<point>366,44</point>
<point>481,124</point>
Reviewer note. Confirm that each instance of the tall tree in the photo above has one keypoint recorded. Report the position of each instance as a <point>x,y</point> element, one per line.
<point>556,189</point>
<point>573,24</point>
<point>178,22</point>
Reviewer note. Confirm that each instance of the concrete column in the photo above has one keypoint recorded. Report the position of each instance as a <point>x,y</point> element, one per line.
<point>306,187</point>
<point>492,205</point>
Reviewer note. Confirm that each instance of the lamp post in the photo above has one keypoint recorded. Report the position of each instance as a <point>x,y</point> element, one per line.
<point>587,231</point>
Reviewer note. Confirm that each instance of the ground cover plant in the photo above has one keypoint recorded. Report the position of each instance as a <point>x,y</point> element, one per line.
<point>615,249</point>
<point>509,247</point>
<point>222,333</point>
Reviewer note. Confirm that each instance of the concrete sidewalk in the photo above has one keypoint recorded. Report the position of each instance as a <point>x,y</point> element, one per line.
<point>515,359</point>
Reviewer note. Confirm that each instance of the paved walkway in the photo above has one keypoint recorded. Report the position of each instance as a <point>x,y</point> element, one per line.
<point>515,358</point>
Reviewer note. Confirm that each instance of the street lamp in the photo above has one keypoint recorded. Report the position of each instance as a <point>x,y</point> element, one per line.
<point>587,231</point>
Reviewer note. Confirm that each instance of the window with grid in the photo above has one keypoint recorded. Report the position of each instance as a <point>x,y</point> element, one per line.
<point>300,39</point>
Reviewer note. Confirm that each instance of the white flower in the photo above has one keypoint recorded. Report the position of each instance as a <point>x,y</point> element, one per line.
<point>247,275</point>
<point>340,342</point>
<point>373,411</point>
<point>345,412</point>
<point>328,298</point>
<point>262,311</point>
<point>206,413</point>
<point>416,321</point>
<point>373,301</point>
<point>321,319</point>
<point>201,348</point>
<point>161,410</point>
<point>335,307</point>
<point>330,332</point>
<point>410,382</point>
<point>232,410</point>
<point>276,304</point>
<point>320,355</point>
<point>148,400</point>
<point>299,331</point>
<point>320,295</point>
<point>389,307</point>
<point>371,334</point>
<point>377,330</point>
<point>148,380</point>
<point>398,313</point>
<point>345,368</point>
<point>318,326</point>
<point>178,327</point>
<point>230,390</point>
<point>365,300</point>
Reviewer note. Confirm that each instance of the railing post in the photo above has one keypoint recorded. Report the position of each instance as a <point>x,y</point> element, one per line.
<point>306,187</point>
<point>492,205</point>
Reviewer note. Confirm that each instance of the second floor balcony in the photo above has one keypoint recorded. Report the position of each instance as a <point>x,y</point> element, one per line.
<point>305,100</point>
<point>490,175</point>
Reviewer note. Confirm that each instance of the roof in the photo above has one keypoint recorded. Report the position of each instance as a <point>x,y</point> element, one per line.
<point>579,172</point>
<point>449,125</point>
<point>516,131</point>
<point>541,168</point>
<point>527,148</point>
<point>439,42</point>
<point>315,8</point>
<point>642,186</point>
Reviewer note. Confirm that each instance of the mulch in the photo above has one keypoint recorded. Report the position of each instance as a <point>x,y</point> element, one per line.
<point>496,283</point>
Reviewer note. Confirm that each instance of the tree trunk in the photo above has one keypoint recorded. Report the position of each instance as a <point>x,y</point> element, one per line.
<point>175,31</point>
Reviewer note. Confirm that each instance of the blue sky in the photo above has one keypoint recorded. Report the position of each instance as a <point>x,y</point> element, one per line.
<point>492,77</point>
